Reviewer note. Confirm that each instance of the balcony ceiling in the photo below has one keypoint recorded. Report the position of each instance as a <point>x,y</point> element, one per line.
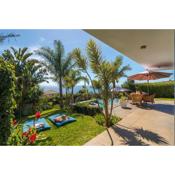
<point>154,49</point>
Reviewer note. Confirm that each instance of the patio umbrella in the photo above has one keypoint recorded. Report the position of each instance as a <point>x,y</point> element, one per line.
<point>149,75</point>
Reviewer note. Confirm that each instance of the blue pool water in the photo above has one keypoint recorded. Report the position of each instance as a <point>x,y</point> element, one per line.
<point>115,102</point>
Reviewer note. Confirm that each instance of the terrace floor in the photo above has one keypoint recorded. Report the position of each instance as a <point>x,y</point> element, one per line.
<point>150,125</point>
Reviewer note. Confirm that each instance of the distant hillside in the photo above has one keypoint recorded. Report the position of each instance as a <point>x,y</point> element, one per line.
<point>56,89</point>
<point>50,92</point>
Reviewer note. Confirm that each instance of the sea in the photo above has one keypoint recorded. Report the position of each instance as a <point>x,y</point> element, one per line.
<point>56,88</point>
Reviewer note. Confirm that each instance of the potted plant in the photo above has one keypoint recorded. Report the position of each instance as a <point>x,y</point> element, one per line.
<point>123,102</point>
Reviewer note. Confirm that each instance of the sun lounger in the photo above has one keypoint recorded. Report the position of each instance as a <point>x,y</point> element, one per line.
<point>40,122</point>
<point>63,122</point>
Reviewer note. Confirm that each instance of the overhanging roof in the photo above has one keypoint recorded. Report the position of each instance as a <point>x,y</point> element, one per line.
<point>154,49</point>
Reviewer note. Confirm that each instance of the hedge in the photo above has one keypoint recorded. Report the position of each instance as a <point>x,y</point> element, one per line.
<point>87,110</point>
<point>7,99</point>
<point>160,89</point>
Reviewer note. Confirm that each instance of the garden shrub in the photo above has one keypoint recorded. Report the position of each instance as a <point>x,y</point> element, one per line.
<point>7,99</point>
<point>101,120</point>
<point>160,89</point>
<point>85,109</point>
<point>44,104</point>
<point>28,109</point>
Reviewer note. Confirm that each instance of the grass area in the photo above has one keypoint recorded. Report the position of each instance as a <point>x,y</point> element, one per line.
<point>76,133</point>
<point>86,101</point>
<point>168,99</point>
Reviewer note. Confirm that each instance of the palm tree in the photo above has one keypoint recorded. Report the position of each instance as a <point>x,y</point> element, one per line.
<point>29,72</point>
<point>97,85</point>
<point>107,73</point>
<point>118,72</point>
<point>83,63</point>
<point>73,78</point>
<point>57,64</point>
<point>67,83</point>
<point>103,71</point>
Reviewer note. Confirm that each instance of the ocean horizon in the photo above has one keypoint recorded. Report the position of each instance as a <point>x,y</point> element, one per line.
<point>56,88</point>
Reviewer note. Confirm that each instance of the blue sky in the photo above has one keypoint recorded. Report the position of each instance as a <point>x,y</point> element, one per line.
<point>34,39</point>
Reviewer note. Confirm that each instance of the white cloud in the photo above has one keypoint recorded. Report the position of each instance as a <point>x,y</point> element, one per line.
<point>34,48</point>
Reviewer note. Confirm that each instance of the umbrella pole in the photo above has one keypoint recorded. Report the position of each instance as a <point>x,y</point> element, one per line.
<point>148,86</point>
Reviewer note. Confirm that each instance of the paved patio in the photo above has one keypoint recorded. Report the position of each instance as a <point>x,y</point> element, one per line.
<point>151,125</point>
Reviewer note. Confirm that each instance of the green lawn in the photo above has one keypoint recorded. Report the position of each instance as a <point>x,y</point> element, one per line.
<point>76,133</point>
<point>169,99</point>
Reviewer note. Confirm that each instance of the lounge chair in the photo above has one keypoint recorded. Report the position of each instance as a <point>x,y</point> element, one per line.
<point>30,123</point>
<point>136,98</point>
<point>129,96</point>
<point>61,123</point>
<point>148,98</point>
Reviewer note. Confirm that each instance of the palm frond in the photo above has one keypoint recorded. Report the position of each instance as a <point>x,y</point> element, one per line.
<point>81,60</point>
<point>67,64</point>
<point>59,49</point>
<point>95,56</point>
<point>46,53</point>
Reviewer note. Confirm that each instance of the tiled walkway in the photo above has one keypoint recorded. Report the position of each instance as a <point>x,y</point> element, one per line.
<point>151,125</point>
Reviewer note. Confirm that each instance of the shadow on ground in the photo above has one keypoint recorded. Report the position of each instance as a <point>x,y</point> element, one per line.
<point>135,136</point>
<point>129,108</point>
<point>166,108</point>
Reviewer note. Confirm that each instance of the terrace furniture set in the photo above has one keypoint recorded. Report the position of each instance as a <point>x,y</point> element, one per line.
<point>138,98</point>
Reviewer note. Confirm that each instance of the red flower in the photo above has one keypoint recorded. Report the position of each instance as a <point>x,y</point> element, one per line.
<point>25,134</point>
<point>38,115</point>
<point>14,122</point>
<point>32,138</point>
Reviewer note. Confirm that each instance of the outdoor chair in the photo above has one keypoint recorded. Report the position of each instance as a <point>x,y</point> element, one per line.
<point>148,98</point>
<point>129,96</point>
<point>136,99</point>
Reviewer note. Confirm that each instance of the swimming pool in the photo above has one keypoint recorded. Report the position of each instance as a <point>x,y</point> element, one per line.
<point>115,102</point>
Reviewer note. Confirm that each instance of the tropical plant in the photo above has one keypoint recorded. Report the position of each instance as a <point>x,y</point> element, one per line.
<point>57,64</point>
<point>72,79</point>
<point>129,84</point>
<point>102,70</point>
<point>97,85</point>
<point>7,98</point>
<point>106,73</point>
<point>119,71</point>
<point>83,64</point>
<point>29,73</point>
<point>29,137</point>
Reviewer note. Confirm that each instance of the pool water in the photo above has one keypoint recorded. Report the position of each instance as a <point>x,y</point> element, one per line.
<point>115,102</point>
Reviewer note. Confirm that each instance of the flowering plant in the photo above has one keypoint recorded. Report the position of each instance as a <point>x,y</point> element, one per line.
<point>37,115</point>
<point>29,137</point>
<point>26,138</point>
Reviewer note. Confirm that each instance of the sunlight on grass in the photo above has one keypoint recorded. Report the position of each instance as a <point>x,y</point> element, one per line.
<point>168,99</point>
<point>76,133</point>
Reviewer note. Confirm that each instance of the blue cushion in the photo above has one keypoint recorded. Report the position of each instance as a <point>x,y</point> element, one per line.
<point>29,123</point>
<point>52,117</point>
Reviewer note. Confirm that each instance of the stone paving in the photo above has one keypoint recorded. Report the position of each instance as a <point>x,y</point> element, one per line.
<point>148,125</point>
